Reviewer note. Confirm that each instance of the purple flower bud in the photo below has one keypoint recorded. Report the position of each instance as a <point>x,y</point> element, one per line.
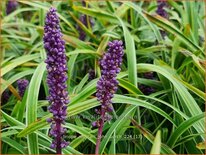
<point>95,123</point>
<point>22,85</point>
<point>56,79</point>
<point>49,120</point>
<point>11,6</point>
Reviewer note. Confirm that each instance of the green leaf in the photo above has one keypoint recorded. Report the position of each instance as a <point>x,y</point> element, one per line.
<point>9,133</point>
<point>88,90</point>
<point>71,110</point>
<point>10,120</point>
<point>31,106</point>
<point>111,130</point>
<point>83,131</point>
<point>142,103</point>
<point>131,55</point>
<point>188,101</point>
<point>44,7</point>
<point>201,145</point>
<point>14,144</point>
<point>140,12</point>
<point>128,86</point>
<point>15,78</point>
<point>164,148</point>
<point>18,61</point>
<point>168,26</point>
<point>104,16</point>
<point>183,127</point>
<point>156,144</point>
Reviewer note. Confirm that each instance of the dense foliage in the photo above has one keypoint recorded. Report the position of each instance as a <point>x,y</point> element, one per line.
<point>159,103</point>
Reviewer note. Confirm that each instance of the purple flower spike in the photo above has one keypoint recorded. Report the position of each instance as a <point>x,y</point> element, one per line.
<point>57,76</point>
<point>11,6</point>
<point>22,85</point>
<point>107,84</point>
<point>110,67</point>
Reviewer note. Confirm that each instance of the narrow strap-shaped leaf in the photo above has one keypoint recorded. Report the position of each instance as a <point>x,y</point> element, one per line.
<point>183,127</point>
<point>18,61</point>
<point>31,106</point>
<point>156,144</point>
<point>14,144</point>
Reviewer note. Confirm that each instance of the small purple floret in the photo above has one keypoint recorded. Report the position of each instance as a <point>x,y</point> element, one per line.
<point>57,76</point>
<point>22,85</point>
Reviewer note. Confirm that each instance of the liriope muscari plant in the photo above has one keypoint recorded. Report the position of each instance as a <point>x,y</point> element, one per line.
<point>11,6</point>
<point>56,79</point>
<point>22,85</point>
<point>107,84</point>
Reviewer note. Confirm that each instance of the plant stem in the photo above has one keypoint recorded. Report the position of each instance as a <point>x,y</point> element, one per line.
<point>101,124</point>
<point>58,139</point>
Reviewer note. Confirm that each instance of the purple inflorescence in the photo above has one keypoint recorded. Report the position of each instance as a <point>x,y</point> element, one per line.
<point>22,85</point>
<point>107,84</point>
<point>11,6</point>
<point>57,76</point>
